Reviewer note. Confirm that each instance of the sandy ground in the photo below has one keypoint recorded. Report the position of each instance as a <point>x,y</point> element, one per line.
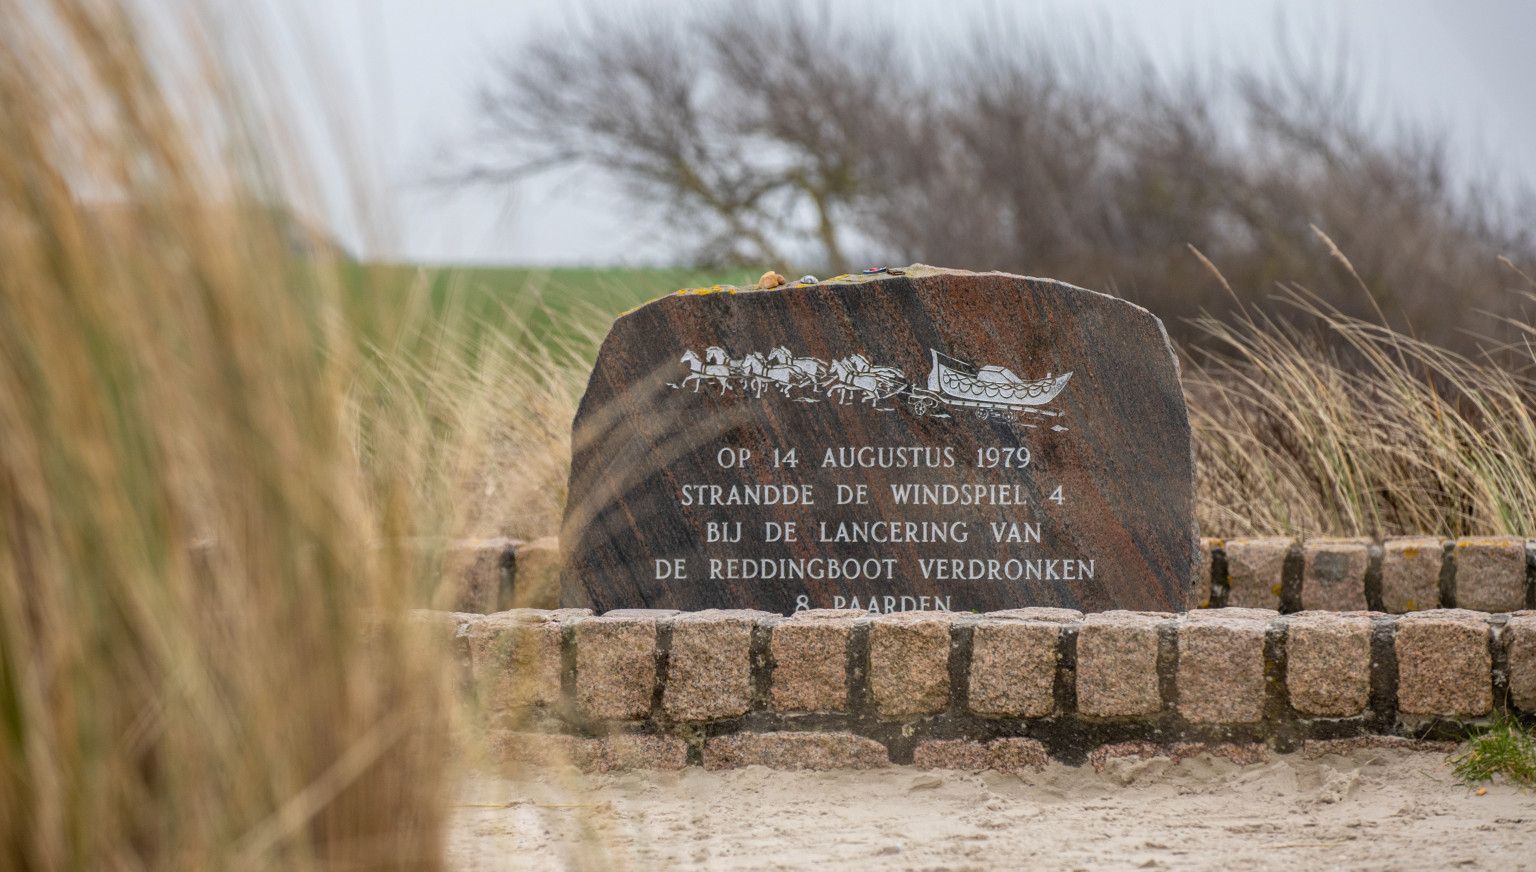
<point>1368,810</point>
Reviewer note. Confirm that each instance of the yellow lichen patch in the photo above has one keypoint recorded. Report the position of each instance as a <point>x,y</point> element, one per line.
<point>1410,552</point>
<point>685,292</point>
<point>1410,605</point>
<point>712,289</point>
<point>1275,589</point>
<point>1482,541</point>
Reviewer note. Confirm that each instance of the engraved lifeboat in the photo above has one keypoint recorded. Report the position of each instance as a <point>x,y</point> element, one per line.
<point>963,384</point>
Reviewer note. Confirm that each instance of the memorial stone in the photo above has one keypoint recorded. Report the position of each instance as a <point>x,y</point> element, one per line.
<point>899,440</point>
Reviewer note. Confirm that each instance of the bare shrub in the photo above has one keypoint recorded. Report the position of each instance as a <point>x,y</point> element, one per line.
<point>769,134</point>
<point>744,133</point>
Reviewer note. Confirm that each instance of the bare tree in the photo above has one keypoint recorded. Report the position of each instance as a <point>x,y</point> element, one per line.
<point>1069,157</point>
<point>774,132</point>
<point>742,132</point>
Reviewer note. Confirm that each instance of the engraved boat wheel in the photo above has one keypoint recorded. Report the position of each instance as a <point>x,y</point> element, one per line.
<point>922,405</point>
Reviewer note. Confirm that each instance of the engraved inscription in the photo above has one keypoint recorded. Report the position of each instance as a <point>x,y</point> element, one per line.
<point>924,439</point>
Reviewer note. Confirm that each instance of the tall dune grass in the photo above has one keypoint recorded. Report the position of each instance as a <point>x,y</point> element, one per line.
<point>1335,425</point>
<point>208,489</point>
<point>507,400</point>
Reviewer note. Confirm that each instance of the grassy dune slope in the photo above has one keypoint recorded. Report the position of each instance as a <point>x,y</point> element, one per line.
<point>557,308</point>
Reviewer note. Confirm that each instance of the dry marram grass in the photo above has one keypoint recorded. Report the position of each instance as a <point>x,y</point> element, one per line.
<point>206,488</point>
<point>1345,427</point>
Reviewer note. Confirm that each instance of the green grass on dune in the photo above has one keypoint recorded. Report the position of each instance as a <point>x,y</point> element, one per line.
<point>564,310</point>
<point>1505,748</point>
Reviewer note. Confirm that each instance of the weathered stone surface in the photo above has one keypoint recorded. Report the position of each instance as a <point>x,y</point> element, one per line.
<point>909,663</point>
<point>1410,573</point>
<point>1002,755</point>
<point>1334,575</point>
<point>534,616</point>
<point>1490,573</point>
<point>829,614</point>
<point>476,572</point>
<point>615,667</point>
<point>1013,667</point>
<point>1233,613</point>
<point>1444,667</point>
<point>518,749</point>
<point>709,673</point>
<point>444,626</point>
<point>535,573</point>
<point>603,754</point>
<point>1037,613</point>
<point>1221,668</point>
<point>1117,664</point>
<point>450,632</point>
<point>1520,642</point>
<point>621,751</point>
<point>1200,589</point>
<point>1106,756</point>
<point>515,663</point>
<point>1254,571</point>
<point>647,614</point>
<point>794,751</point>
<point>810,661</point>
<point>693,392</point>
<point>1312,749</point>
<point>1328,663</point>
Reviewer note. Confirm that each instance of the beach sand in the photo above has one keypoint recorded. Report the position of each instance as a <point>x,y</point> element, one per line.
<point>1368,809</point>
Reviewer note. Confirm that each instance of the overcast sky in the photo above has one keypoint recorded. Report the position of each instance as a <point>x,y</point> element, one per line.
<point>401,74</point>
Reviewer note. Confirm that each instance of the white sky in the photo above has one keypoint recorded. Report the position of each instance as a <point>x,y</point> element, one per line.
<point>401,75</point>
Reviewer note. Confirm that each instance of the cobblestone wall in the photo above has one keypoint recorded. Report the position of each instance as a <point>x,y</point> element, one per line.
<point>1396,576</point>
<point>648,689</point>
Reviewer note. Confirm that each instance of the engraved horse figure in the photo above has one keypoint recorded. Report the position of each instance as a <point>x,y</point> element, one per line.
<point>854,376</point>
<point>754,372</point>
<point>790,372</point>
<point>715,368</point>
